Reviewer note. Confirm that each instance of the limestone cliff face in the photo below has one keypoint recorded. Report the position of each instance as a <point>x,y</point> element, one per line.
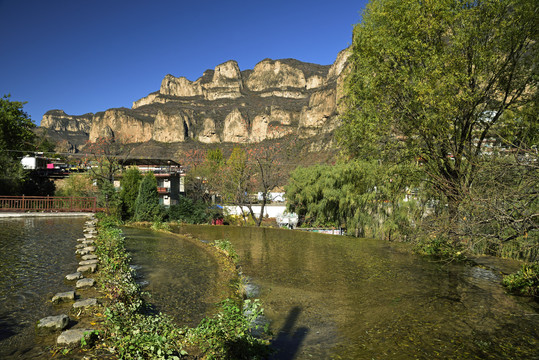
<point>275,99</point>
<point>58,120</point>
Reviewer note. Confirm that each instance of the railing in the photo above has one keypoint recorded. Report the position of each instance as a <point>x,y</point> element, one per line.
<point>48,203</point>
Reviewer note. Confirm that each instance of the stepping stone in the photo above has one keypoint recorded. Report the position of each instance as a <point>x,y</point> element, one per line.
<point>89,257</point>
<point>88,262</point>
<point>85,303</point>
<point>74,276</point>
<point>82,252</point>
<point>82,283</point>
<point>87,242</point>
<point>81,239</point>
<point>73,336</point>
<point>87,268</point>
<point>89,248</point>
<point>63,296</point>
<point>80,246</point>
<point>89,236</point>
<point>58,322</point>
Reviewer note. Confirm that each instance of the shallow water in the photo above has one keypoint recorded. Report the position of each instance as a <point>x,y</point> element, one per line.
<point>332,297</point>
<point>180,276</point>
<point>35,255</point>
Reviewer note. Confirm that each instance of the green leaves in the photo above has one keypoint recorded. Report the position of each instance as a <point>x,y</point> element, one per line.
<point>425,73</point>
<point>147,204</point>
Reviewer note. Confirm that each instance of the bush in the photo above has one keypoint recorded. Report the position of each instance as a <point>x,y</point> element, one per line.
<point>229,334</point>
<point>188,211</point>
<point>525,281</point>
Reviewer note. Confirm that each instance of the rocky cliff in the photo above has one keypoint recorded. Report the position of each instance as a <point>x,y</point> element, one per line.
<point>225,105</point>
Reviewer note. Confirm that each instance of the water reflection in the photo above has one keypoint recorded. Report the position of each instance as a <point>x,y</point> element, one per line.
<point>364,299</point>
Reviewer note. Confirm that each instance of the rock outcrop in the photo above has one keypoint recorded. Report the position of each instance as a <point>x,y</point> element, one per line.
<point>275,99</point>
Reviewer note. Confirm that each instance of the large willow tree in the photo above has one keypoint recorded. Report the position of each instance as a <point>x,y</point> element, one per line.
<point>432,80</point>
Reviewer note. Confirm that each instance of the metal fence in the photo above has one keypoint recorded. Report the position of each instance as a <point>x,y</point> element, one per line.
<point>48,203</point>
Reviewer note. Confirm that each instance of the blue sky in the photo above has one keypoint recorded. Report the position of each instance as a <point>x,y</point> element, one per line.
<point>91,55</point>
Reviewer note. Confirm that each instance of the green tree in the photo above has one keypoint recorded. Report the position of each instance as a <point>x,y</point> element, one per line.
<point>130,184</point>
<point>147,204</point>
<point>78,185</point>
<point>16,137</point>
<point>432,80</point>
<point>364,197</point>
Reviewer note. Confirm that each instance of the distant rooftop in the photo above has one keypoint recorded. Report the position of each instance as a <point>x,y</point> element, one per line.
<point>151,162</point>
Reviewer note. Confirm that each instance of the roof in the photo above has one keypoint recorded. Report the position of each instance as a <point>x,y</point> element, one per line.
<point>154,162</point>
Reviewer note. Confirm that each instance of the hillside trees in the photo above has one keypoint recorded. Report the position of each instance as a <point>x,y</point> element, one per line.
<point>432,80</point>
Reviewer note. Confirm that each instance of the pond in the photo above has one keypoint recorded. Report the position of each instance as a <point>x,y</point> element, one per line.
<point>334,297</point>
<point>35,255</point>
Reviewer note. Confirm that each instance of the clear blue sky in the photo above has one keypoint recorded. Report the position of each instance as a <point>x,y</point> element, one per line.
<point>91,55</point>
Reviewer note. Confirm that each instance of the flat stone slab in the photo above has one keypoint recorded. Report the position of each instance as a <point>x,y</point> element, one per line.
<point>87,242</point>
<point>85,303</point>
<point>88,262</point>
<point>81,239</point>
<point>82,252</point>
<point>73,336</point>
<point>89,236</point>
<point>89,257</point>
<point>82,283</point>
<point>87,268</point>
<point>63,296</point>
<point>74,276</point>
<point>89,248</point>
<point>58,322</point>
<point>80,246</point>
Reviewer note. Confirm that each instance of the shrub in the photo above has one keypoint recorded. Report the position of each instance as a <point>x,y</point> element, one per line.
<point>525,281</point>
<point>229,334</point>
<point>188,211</point>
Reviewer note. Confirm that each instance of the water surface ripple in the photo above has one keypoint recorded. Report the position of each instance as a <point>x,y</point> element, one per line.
<point>35,255</point>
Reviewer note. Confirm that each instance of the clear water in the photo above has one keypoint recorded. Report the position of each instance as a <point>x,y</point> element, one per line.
<point>182,278</point>
<point>35,255</point>
<point>332,297</point>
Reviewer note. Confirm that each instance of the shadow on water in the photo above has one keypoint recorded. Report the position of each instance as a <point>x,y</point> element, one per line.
<point>288,343</point>
<point>7,327</point>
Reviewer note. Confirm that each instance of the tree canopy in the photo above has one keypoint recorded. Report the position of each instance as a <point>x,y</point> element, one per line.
<point>432,80</point>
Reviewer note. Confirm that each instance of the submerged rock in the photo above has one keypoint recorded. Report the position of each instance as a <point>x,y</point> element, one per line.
<point>58,322</point>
